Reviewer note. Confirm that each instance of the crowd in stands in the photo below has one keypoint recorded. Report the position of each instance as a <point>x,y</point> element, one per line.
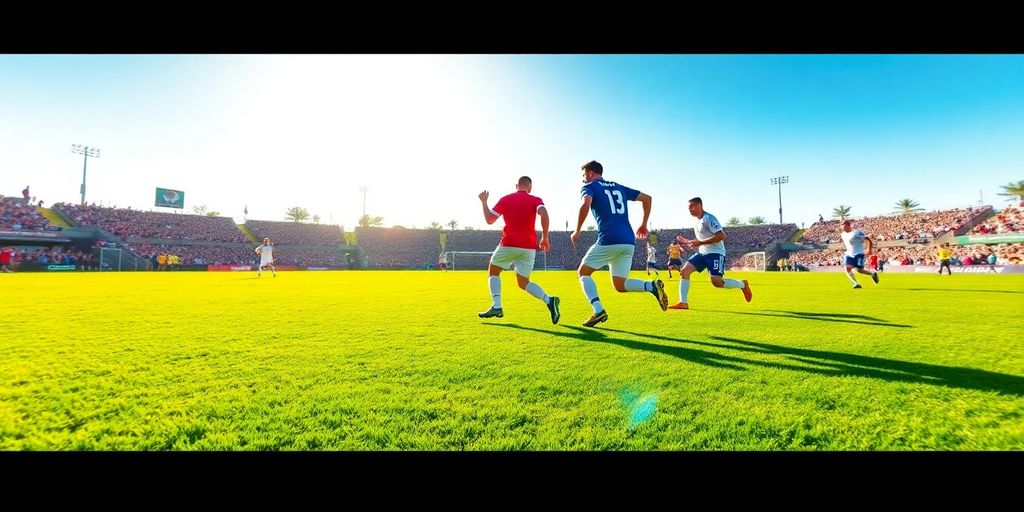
<point>1010,220</point>
<point>55,255</point>
<point>197,254</point>
<point>752,238</point>
<point>296,232</point>
<point>127,222</point>
<point>309,257</point>
<point>910,226</point>
<point>213,255</point>
<point>1006,254</point>
<point>419,248</point>
<point>17,214</point>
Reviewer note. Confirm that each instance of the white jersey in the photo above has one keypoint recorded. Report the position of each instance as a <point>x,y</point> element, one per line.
<point>854,242</point>
<point>706,227</point>
<point>652,254</point>
<point>266,254</point>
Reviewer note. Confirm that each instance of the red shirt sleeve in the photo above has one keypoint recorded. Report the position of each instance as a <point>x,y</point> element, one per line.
<point>500,207</point>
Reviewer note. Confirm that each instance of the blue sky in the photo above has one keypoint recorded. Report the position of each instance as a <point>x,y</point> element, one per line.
<point>426,133</point>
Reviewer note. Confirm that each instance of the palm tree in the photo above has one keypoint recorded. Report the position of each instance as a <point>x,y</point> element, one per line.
<point>755,221</point>
<point>296,214</point>
<point>435,225</point>
<point>908,206</point>
<point>453,224</point>
<point>842,212</point>
<point>1013,190</point>
<point>368,221</point>
<point>733,222</point>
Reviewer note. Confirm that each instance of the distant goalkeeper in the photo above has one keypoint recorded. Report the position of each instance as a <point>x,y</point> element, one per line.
<point>266,252</point>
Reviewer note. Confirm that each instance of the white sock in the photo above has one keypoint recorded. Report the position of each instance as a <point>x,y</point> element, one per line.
<point>852,277</point>
<point>534,289</point>
<point>590,291</point>
<point>732,283</point>
<point>684,288</point>
<point>494,283</point>
<point>636,285</point>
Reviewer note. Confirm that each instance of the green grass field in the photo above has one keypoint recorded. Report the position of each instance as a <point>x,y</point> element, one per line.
<point>400,361</point>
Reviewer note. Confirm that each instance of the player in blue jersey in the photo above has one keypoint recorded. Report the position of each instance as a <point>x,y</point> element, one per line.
<point>710,254</point>
<point>615,239</point>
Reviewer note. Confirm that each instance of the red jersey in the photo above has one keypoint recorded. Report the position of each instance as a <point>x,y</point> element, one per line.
<point>520,212</point>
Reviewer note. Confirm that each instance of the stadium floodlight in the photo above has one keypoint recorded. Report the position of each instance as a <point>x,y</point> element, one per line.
<point>779,181</point>
<point>363,190</point>
<point>87,152</point>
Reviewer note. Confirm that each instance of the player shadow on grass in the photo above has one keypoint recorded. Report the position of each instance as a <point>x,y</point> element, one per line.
<point>689,354</point>
<point>956,290</point>
<point>821,362</point>
<point>824,317</point>
<point>839,363</point>
<point>842,365</point>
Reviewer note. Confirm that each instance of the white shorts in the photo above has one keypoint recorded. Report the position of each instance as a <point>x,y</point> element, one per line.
<point>266,263</point>
<point>523,259</point>
<point>619,258</point>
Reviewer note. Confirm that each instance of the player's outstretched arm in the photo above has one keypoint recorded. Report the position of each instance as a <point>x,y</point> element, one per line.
<point>545,244</point>
<point>581,218</point>
<point>645,200</point>
<point>489,216</point>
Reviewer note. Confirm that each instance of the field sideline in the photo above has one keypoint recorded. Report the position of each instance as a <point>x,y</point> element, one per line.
<point>379,360</point>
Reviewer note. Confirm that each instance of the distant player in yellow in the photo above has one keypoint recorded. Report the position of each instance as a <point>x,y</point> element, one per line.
<point>161,261</point>
<point>944,255</point>
<point>675,257</point>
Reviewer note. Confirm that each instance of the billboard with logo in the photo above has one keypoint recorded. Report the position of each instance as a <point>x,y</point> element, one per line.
<point>170,198</point>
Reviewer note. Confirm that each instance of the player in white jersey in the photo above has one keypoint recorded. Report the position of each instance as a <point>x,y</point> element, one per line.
<point>710,255</point>
<point>854,240</point>
<point>266,252</point>
<point>652,259</point>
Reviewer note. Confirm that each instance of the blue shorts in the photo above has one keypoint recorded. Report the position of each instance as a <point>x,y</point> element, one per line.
<point>715,263</point>
<point>854,261</point>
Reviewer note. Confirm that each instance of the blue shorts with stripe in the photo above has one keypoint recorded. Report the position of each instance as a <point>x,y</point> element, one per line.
<point>854,261</point>
<point>715,263</point>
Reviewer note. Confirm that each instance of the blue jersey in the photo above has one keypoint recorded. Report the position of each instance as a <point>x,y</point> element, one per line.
<point>608,204</point>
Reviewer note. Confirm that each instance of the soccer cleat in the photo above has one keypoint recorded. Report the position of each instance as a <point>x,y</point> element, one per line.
<point>857,286</point>
<point>679,305</point>
<point>596,318</point>
<point>747,293</point>
<point>874,277</point>
<point>492,312</point>
<point>553,308</point>
<point>658,290</point>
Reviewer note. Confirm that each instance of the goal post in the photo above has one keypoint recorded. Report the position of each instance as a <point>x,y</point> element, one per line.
<point>751,261</point>
<point>467,260</point>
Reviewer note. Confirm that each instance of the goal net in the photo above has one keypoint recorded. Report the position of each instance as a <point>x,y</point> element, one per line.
<point>751,261</point>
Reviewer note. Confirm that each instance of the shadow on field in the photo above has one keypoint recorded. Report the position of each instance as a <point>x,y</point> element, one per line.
<point>818,362</point>
<point>689,354</point>
<point>823,317</point>
<point>956,290</point>
<point>839,363</point>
